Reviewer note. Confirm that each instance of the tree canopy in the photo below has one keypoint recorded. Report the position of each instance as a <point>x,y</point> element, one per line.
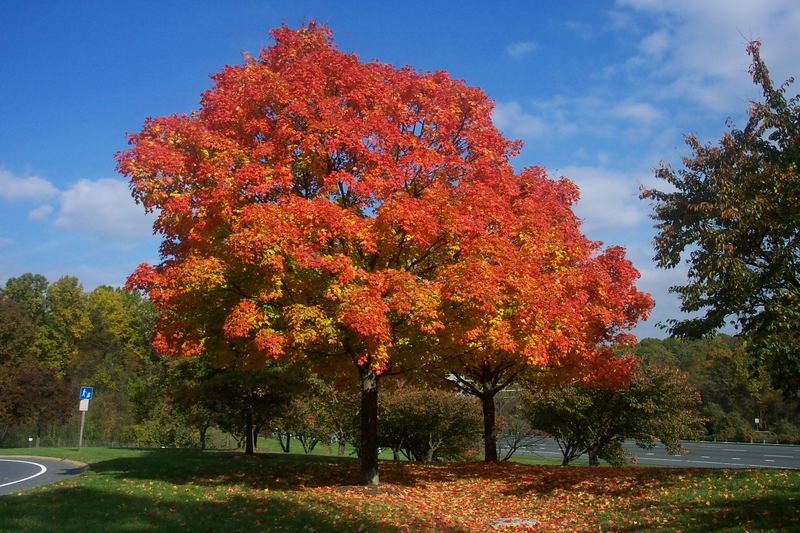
<point>735,210</point>
<point>319,206</point>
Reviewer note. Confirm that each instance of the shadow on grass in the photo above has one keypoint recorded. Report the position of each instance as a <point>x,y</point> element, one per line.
<point>286,472</point>
<point>276,471</point>
<point>704,500</point>
<point>764,513</point>
<point>82,509</point>
<point>271,471</point>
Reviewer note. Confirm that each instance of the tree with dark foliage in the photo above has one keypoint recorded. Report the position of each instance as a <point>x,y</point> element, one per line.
<point>735,208</point>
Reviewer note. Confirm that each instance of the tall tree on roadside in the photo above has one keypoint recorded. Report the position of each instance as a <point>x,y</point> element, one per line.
<point>324,208</point>
<point>735,207</point>
<point>67,322</point>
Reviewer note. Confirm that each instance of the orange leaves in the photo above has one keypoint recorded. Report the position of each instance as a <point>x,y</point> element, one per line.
<point>316,203</point>
<point>269,342</point>
<point>475,497</point>
<point>242,319</point>
<point>363,310</point>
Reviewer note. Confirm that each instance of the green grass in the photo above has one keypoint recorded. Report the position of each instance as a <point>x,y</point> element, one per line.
<point>168,490</point>
<point>541,460</point>
<point>189,490</point>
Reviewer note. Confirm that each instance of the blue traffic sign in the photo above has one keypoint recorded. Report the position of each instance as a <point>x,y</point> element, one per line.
<point>87,393</point>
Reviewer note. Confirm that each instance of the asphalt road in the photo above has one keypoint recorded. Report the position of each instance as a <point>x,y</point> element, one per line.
<point>19,473</point>
<point>699,455</point>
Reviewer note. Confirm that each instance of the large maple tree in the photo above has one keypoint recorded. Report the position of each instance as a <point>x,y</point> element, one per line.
<point>324,209</point>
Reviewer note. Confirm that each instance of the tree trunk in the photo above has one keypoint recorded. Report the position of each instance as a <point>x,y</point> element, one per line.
<point>593,459</point>
<point>431,449</point>
<point>203,430</point>
<point>369,426</point>
<point>489,428</point>
<point>248,431</point>
<point>341,446</point>
<point>288,447</point>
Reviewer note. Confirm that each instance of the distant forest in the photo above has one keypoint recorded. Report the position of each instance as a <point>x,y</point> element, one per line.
<point>56,337</point>
<point>734,393</point>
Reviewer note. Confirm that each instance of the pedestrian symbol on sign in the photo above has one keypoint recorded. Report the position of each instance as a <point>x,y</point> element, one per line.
<point>86,393</point>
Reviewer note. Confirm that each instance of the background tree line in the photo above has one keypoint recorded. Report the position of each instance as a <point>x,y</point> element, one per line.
<point>55,337</point>
<point>734,389</point>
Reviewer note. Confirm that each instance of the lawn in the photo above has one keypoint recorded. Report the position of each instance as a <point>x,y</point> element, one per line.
<point>187,490</point>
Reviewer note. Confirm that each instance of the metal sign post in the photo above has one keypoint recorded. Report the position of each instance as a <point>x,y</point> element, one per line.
<point>83,406</point>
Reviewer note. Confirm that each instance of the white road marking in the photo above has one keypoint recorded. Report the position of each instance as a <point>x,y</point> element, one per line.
<point>712,463</point>
<point>733,450</point>
<point>649,454</point>
<point>705,457</point>
<point>780,456</point>
<point>736,458</point>
<point>42,471</point>
<point>769,460</point>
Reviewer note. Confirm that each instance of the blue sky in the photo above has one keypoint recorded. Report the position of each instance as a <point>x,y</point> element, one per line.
<point>599,91</point>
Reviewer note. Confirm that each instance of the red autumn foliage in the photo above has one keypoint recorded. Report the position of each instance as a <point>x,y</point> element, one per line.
<point>319,205</point>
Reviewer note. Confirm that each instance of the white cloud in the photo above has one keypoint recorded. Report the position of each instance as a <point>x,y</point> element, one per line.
<point>14,188</point>
<point>637,111</point>
<point>655,44</point>
<point>41,212</point>
<point>621,21</point>
<point>105,207</point>
<point>521,49</point>
<point>512,120</point>
<point>697,49</point>
<point>609,199</point>
<point>590,116</point>
<point>515,122</point>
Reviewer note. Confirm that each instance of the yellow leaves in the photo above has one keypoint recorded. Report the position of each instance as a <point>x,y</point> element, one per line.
<point>309,325</point>
<point>201,273</point>
<point>379,358</point>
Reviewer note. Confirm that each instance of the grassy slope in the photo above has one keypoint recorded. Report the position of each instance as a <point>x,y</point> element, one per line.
<point>186,490</point>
